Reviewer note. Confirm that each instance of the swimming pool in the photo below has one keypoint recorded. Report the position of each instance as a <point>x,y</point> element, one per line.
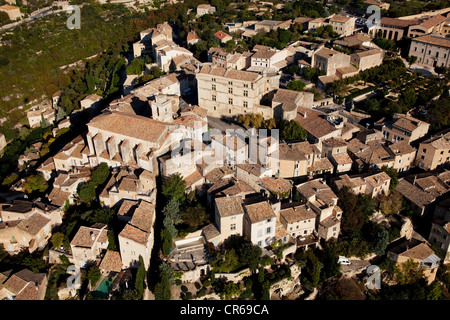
<point>102,289</point>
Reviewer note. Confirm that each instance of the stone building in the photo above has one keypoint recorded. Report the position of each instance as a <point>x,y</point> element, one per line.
<point>431,50</point>
<point>228,92</point>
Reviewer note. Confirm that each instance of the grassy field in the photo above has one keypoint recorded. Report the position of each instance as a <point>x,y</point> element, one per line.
<point>32,54</point>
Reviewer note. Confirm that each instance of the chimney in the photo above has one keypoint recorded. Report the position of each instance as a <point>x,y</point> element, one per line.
<point>414,182</point>
<point>304,115</point>
<point>92,236</point>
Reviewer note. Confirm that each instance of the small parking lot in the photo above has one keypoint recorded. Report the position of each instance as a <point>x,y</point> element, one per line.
<point>356,265</point>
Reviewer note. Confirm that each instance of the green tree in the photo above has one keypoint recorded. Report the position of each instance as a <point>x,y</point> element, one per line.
<point>9,180</point>
<point>194,216</point>
<point>36,183</point>
<point>162,288</point>
<point>94,275</point>
<point>309,73</point>
<point>166,237</point>
<point>381,242</point>
<point>297,85</point>
<point>292,130</point>
<point>57,239</point>
<point>250,254</point>
<point>353,217</point>
<point>102,215</point>
<point>140,278</point>
<point>87,193</point>
<point>172,211</point>
<point>100,174</point>
<point>393,174</point>
<point>174,188</point>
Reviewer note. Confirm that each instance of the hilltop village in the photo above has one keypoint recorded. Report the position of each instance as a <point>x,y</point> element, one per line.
<point>265,159</point>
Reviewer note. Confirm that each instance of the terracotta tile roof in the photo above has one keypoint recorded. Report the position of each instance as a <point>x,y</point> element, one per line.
<point>264,54</point>
<point>330,221</point>
<point>378,179</point>
<point>143,216</point>
<point>127,207</point>
<point>191,121</point>
<point>398,22</point>
<point>327,52</point>
<point>221,35</point>
<point>345,180</point>
<point>321,165</point>
<point>347,70</point>
<point>414,194</point>
<point>210,232</point>
<point>34,223</point>
<point>196,110</point>
<point>439,142</point>
<point>253,169</point>
<point>339,18</point>
<point>229,206</point>
<point>193,178</point>
<point>237,187</point>
<point>318,190</point>
<point>302,19</point>
<point>23,284</point>
<point>129,184</point>
<point>30,292</point>
<point>135,234</point>
<point>298,213</point>
<point>430,23</point>
<point>58,197</point>
<point>86,237</point>
<point>402,148</point>
<point>15,284</point>
<point>219,173</point>
<point>192,35</point>
<point>133,126</point>
<point>419,252</point>
<point>314,123</point>
<point>230,73</point>
<point>111,261</point>
<point>368,53</point>
<point>335,142</point>
<point>259,211</point>
<point>276,185</point>
<point>342,158</point>
<point>280,232</point>
<point>287,152</point>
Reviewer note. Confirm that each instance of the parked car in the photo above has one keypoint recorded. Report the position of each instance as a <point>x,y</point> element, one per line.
<point>344,261</point>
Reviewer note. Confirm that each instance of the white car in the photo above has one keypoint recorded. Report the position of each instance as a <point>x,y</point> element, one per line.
<point>344,261</point>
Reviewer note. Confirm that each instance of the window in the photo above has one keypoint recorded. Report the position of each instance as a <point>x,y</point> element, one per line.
<point>213,79</point>
<point>269,220</point>
<point>230,83</point>
<point>268,230</point>
<point>245,93</point>
<point>245,85</point>
<point>213,98</point>
<point>230,90</point>
<point>233,226</point>
<point>213,87</point>
<point>245,104</point>
<point>260,233</point>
